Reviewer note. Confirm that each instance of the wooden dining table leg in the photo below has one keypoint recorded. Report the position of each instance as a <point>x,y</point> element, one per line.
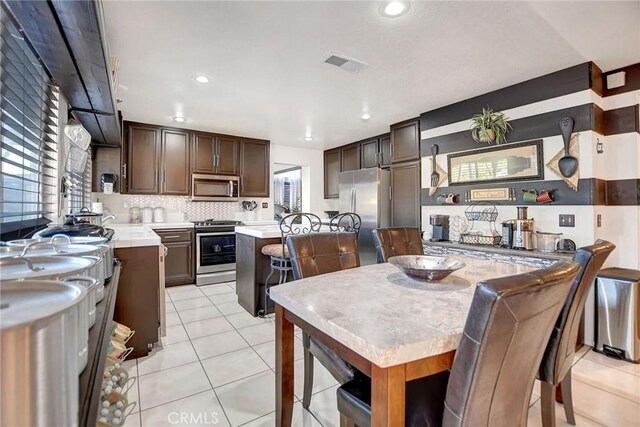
<point>387,396</point>
<point>284,369</point>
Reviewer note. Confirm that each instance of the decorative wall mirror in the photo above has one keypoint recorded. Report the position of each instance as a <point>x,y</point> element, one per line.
<point>510,162</point>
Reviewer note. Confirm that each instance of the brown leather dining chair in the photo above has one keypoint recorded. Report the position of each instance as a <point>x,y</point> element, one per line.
<point>397,241</point>
<point>311,255</point>
<point>555,368</point>
<point>495,365</point>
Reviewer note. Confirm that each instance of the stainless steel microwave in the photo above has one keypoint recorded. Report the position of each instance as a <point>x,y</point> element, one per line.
<point>214,188</point>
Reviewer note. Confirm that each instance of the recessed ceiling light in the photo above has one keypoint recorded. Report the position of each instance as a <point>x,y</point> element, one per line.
<point>365,116</point>
<point>201,78</point>
<point>394,8</point>
<point>308,138</point>
<point>179,119</point>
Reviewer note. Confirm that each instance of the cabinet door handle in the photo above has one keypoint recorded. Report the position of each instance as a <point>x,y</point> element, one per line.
<point>124,171</point>
<point>171,237</point>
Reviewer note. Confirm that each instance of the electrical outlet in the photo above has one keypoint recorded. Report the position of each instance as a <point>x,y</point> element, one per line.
<point>265,205</point>
<point>599,220</point>
<point>567,220</point>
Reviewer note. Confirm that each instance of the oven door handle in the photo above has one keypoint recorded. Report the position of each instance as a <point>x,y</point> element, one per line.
<point>222,233</point>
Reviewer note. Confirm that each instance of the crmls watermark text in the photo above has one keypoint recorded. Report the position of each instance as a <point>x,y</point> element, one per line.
<point>186,418</point>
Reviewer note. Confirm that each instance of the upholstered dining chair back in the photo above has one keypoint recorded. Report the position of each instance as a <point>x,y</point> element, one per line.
<point>321,253</point>
<point>507,328</point>
<point>397,241</point>
<point>559,353</point>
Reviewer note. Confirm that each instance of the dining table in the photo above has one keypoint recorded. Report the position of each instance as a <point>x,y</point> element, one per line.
<point>390,327</point>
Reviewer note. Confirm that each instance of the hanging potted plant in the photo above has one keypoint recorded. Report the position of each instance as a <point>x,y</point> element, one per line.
<point>490,127</point>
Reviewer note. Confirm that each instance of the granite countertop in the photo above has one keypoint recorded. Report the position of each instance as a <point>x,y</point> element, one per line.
<point>493,251</point>
<point>386,317</point>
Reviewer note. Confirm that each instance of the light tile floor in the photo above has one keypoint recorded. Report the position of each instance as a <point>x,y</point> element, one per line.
<point>216,366</point>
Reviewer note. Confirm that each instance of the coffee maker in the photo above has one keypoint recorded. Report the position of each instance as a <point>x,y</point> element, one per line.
<point>440,228</point>
<point>523,231</point>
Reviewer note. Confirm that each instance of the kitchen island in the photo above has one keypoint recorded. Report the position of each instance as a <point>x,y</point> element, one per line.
<point>252,267</point>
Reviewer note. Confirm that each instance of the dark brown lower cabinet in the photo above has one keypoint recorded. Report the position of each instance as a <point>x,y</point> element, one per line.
<point>252,269</point>
<point>138,298</point>
<point>178,266</point>
<point>405,196</point>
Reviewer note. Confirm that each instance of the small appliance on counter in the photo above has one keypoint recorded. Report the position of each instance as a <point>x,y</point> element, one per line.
<point>440,228</point>
<point>108,182</point>
<point>523,231</point>
<point>548,242</point>
<point>507,233</point>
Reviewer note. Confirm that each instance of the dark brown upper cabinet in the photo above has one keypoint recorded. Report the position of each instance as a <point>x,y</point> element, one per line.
<point>204,153</point>
<point>370,153</point>
<point>331,172</point>
<point>216,154</point>
<point>405,141</point>
<point>385,151</point>
<point>175,163</point>
<point>228,150</point>
<point>140,166</point>
<point>254,168</point>
<point>405,195</point>
<point>350,157</point>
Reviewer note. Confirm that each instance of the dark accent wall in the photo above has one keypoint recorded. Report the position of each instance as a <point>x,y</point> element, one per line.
<point>559,83</point>
<point>623,192</point>
<point>621,120</point>
<point>532,127</point>
<point>591,191</point>
<point>632,80</point>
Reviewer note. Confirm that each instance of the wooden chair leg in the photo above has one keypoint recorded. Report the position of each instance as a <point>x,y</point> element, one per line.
<point>567,398</point>
<point>346,422</point>
<point>308,373</point>
<point>548,404</point>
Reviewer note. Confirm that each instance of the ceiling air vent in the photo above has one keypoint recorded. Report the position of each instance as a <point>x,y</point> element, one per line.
<point>350,65</point>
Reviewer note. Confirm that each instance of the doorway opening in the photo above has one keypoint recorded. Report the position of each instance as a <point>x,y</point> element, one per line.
<point>287,191</point>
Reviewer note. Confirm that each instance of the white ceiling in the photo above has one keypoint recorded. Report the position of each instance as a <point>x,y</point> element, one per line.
<point>268,79</point>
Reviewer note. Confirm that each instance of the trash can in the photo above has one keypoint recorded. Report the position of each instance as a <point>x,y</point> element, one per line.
<point>617,320</point>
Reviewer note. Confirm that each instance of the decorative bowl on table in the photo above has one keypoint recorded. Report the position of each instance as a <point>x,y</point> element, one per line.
<point>426,268</point>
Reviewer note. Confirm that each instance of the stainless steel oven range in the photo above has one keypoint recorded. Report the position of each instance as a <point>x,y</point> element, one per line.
<point>215,251</point>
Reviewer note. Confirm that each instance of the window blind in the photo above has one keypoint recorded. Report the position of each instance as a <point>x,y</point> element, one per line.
<point>29,127</point>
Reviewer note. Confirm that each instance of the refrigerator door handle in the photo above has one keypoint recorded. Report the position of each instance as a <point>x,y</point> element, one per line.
<point>355,193</point>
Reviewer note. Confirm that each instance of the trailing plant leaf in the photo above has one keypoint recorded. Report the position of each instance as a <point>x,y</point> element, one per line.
<point>490,127</point>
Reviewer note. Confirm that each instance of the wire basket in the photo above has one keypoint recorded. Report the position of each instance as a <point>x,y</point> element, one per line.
<point>476,212</point>
<point>477,239</point>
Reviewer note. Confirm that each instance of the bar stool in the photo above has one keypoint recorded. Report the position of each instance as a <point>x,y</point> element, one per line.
<point>290,225</point>
<point>346,222</point>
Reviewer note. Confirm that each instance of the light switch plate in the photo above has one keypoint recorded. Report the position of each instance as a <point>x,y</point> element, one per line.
<point>567,220</point>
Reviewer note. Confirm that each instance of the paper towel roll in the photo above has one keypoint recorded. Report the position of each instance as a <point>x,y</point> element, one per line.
<point>96,207</point>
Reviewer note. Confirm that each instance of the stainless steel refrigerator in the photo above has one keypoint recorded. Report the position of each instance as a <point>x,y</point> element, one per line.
<point>367,192</point>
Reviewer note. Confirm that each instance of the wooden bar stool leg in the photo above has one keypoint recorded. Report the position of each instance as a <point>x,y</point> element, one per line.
<point>548,404</point>
<point>567,398</point>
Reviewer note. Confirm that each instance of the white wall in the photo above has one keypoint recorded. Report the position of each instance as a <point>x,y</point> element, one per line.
<point>312,162</point>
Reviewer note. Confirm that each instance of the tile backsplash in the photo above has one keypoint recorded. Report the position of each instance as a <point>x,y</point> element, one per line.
<point>119,205</point>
